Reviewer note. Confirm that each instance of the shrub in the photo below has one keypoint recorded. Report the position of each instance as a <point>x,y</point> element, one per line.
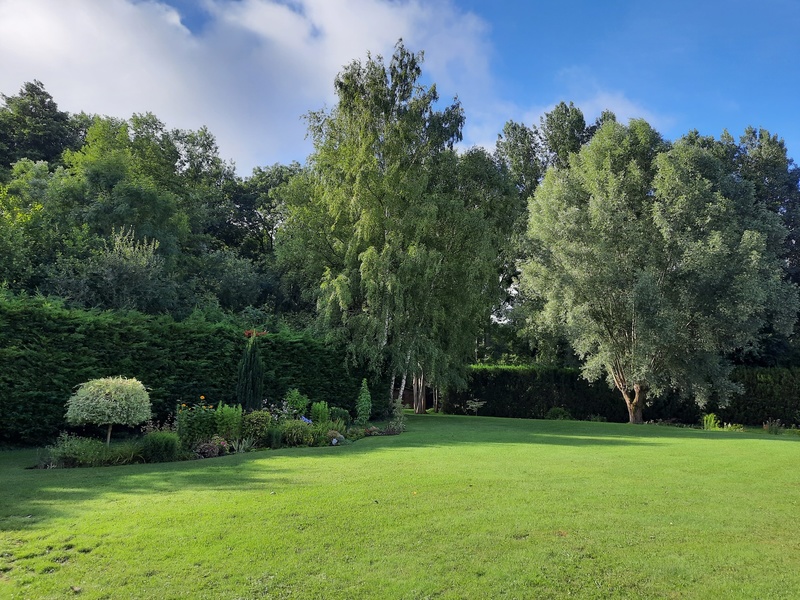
<point>275,437</point>
<point>256,425</point>
<point>558,413</point>
<point>124,453</point>
<point>320,413</point>
<point>773,426</point>
<point>160,446</point>
<point>363,405</point>
<point>72,451</point>
<point>340,414</point>
<point>710,422</point>
<point>195,424</point>
<point>108,401</point>
<point>228,421</point>
<point>242,445</point>
<point>319,433</point>
<point>216,446</point>
<point>297,433</point>
<point>296,401</point>
<point>250,384</point>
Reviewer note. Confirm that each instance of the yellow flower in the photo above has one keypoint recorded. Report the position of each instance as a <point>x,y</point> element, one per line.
<point>202,397</point>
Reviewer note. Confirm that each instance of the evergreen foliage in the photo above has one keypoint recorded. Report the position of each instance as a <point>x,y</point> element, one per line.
<point>250,385</point>
<point>363,405</point>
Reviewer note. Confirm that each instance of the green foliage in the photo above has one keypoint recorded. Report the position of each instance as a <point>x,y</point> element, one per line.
<point>320,413</point>
<point>474,406</point>
<point>653,261</point>
<point>160,446</point>
<point>275,436</point>
<point>256,426</point>
<point>711,422</point>
<point>773,426</point>
<point>108,401</point>
<point>175,360</point>
<point>530,392</point>
<point>296,433</point>
<point>196,424</point>
<point>558,413</point>
<point>297,402</point>
<point>72,451</point>
<point>250,385</point>
<point>339,414</point>
<point>363,405</point>
<point>216,446</point>
<point>228,421</point>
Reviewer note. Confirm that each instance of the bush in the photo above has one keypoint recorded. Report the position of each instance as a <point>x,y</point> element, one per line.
<point>256,425</point>
<point>160,446</point>
<point>340,414</point>
<point>108,401</point>
<point>72,451</point>
<point>216,446</point>
<point>296,401</point>
<point>320,413</point>
<point>196,424</point>
<point>124,453</point>
<point>558,414</point>
<point>363,405</point>
<point>275,437</point>
<point>228,421</point>
<point>710,422</point>
<point>297,433</point>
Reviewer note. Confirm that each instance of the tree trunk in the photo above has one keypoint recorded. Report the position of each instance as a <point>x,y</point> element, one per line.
<point>636,404</point>
<point>419,394</point>
<point>108,436</point>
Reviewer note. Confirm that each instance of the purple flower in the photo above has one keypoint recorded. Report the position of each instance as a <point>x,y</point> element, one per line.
<point>305,420</point>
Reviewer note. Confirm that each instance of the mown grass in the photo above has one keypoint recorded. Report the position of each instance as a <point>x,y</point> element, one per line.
<point>457,507</point>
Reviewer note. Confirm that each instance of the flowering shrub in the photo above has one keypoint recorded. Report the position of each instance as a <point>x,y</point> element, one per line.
<point>213,448</point>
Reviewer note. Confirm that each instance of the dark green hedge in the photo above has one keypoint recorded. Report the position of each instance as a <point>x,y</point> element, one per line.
<point>46,350</point>
<point>529,392</point>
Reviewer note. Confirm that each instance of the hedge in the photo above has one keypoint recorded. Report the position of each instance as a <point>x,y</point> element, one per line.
<point>46,350</point>
<point>530,392</point>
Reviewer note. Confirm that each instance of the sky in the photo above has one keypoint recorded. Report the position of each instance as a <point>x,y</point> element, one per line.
<point>250,69</point>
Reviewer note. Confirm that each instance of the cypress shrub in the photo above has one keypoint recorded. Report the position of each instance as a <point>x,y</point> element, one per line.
<point>250,386</point>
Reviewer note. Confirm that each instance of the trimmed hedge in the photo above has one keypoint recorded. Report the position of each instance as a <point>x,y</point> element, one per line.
<point>46,350</point>
<point>530,392</point>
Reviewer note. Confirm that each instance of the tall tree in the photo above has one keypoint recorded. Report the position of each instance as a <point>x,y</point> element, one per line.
<point>394,237</point>
<point>32,126</point>
<point>655,262</point>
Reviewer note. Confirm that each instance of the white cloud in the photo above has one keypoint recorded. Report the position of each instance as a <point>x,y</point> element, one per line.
<point>250,72</point>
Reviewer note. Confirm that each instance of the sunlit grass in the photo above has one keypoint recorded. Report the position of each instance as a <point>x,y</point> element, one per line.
<point>457,507</point>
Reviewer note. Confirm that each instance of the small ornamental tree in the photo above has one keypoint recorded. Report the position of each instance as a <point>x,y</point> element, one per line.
<point>108,401</point>
<point>363,405</point>
<point>250,387</point>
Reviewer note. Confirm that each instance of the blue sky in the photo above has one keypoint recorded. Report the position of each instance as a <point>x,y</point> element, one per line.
<point>248,69</point>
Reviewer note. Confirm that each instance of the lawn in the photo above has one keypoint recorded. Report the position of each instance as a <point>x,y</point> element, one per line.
<point>456,507</point>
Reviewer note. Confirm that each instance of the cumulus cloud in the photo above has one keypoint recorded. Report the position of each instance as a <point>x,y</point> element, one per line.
<point>249,73</point>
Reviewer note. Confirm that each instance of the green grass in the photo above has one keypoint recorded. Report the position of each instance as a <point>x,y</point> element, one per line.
<point>457,507</point>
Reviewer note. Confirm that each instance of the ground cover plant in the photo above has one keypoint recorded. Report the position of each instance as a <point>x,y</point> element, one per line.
<point>456,507</point>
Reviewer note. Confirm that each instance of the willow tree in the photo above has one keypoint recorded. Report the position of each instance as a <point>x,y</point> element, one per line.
<point>655,261</point>
<point>406,261</point>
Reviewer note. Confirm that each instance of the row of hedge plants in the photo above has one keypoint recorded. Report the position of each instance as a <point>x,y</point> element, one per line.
<point>769,393</point>
<point>46,350</point>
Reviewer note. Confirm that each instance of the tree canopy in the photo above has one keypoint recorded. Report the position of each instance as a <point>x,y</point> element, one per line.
<point>655,261</point>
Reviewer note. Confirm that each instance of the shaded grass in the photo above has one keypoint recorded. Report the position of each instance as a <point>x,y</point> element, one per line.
<point>457,507</point>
